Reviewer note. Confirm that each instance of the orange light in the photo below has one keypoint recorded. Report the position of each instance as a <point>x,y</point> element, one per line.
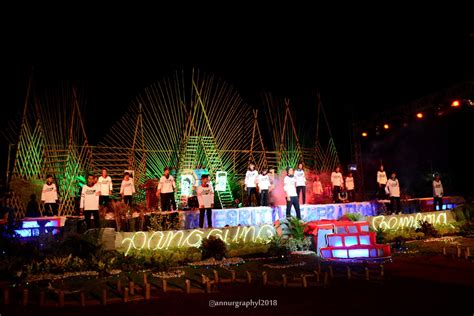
<point>455,104</point>
<point>419,115</point>
<point>364,134</point>
<point>386,126</point>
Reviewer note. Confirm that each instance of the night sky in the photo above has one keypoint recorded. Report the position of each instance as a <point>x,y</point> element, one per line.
<point>358,69</point>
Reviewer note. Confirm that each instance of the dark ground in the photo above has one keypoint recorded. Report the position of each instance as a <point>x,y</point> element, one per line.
<point>414,285</point>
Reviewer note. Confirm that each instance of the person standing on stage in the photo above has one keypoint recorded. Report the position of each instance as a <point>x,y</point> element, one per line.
<point>205,195</point>
<point>393,190</point>
<point>289,186</point>
<point>300,182</point>
<point>105,187</point>
<point>337,182</point>
<point>90,195</point>
<point>166,188</point>
<point>263,182</point>
<point>251,184</point>
<point>437,192</point>
<point>381,182</point>
<point>150,187</point>
<point>127,189</point>
<point>49,196</point>
<point>317,189</point>
<point>350,187</point>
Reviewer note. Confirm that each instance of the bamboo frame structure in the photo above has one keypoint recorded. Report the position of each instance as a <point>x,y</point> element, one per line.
<point>158,130</point>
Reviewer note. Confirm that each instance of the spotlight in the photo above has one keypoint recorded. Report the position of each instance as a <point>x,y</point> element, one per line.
<point>456,104</point>
<point>419,115</point>
<point>364,134</point>
<point>385,126</point>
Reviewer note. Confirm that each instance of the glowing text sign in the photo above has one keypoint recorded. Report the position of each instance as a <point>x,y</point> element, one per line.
<point>409,220</point>
<point>192,238</point>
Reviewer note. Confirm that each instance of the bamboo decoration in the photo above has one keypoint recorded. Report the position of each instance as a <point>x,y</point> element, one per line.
<point>165,286</point>
<point>42,298</point>
<point>285,281</point>
<point>125,295</point>
<point>367,275</point>
<point>82,298</point>
<point>331,272</point>
<point>147,291</point>
<point>6,296</point>
<point>24,300</point>
<point>249,277</point>
<point>131,286</point>
<point>264,278</point>
<point>188,286</point>
<point>61,298</point>
<point>316,274</point>
<point>216,276</point>
<point>304,281</point>
<point>104,297</point>
<point>348,272</point>
<point>232,276</point>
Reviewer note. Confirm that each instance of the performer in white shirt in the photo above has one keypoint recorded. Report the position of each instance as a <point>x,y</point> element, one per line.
<point>49,196</point>
<point>166,188</point>
<point>300,182</point>
<point>317,188</point>
<point>350,187</point>
<point>90,202</point>
<point>438,193</point>
<point>205,195</point>
<point>289,186</point>
<point>337,182</point>
<point>105,187</point>
<point>393,190</point>
<point>381,182</point>
<point>127,189</point>
<point>263,182</point>
<point>251,184</point>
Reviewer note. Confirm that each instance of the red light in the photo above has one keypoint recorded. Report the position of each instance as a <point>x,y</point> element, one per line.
<point>364,134</point>
<point>455,104</point>
<point>386,126</point>
<point>419,115</point>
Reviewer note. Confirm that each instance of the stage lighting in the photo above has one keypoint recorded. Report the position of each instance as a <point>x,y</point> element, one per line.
<point>385,126</point>
<point>364,134</point>
<point>419,115</point>
<point>456,104</point>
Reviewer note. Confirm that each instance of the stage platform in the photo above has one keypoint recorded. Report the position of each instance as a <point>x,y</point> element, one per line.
<point>254,216</point>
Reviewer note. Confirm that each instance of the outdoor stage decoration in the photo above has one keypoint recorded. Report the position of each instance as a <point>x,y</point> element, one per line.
<point>346,240</point>
<point>410,220</point>
<point>129,241</point>
<point>189,120</point>
<point>266,215</point>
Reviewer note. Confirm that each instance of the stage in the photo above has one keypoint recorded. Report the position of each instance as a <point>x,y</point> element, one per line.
<point>245,216</point>
<point>255,216</point>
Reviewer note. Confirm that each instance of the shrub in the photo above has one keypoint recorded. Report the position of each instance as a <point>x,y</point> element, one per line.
<point>354,216</point>
<point>427,229</point>
<point>213,247</point>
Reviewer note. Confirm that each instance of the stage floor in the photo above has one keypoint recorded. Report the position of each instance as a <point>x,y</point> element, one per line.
<point>251,216</point>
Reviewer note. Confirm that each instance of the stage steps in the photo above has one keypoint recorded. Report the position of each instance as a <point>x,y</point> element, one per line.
<point>338,240</point>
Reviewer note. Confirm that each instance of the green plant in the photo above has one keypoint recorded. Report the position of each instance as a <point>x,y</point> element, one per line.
<point>213,247</point>
<point>160,222</point>
<point>278,247</point>
<point>379,235</point>
<point>354,216</point>
<point>427,229</point>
